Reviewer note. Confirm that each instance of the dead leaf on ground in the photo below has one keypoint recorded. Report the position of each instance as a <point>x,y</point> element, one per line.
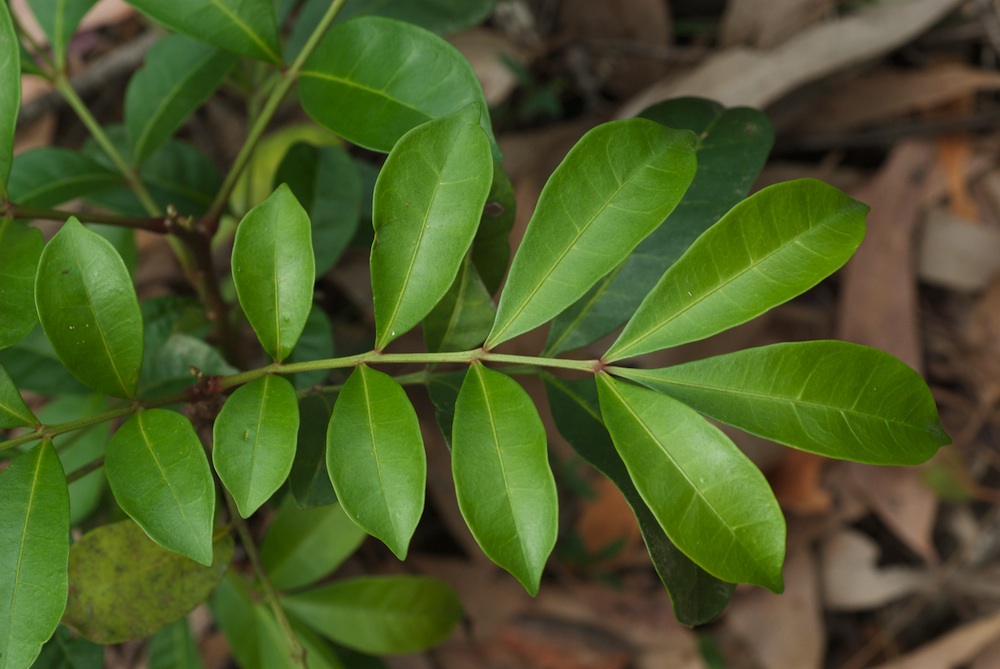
<point>486,50</point>
<point>852,579</point>
<point>797,483</point>
<point>750,22</point>
<point>952,650</point>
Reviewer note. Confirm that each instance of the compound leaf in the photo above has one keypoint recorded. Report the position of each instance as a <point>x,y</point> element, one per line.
<point>274,270</point>
<point>88,308</point>
<point>159,474</point>
<point>505,488</point>
<point>34,549</point>
<point>712,502</point>
<point>375,457</point>
<point>613,188</point>
<point>59,19</point>
<point>373,79</point>
<point>428,200</point>
<point>774,245</point>
<point>380,614</point>
<point>10,93</point>
<point>20,250</point>
<point>834,398</point>
<point>254,440</point>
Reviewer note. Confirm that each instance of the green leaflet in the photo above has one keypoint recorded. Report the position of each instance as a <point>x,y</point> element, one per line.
<point>47,177</point>
<point>274,271</point>
<point>244,27</point>
<point>34,549</point>
<point>315,343</point>
<point>375,457</point>
<point>79,448</point>
<point>59,19</point>
<point>428,200</point>
<point>308,480</point>
<point>10,93</point>
<point>697,596</point>
<point>68,651</point>
<point>124,586</point>
<point>304,545</point>
<point>159,474</point>
<point>708,497</point>
<point>254,440</point>
<point>20,250</point>
<point>372,79</point>
<point>463,317</point>
<point>613,188</point>
<point>173,647</point>
<point>13,411</point>
<point>179,75</point>
<point>491,247</point>
<point>88,308</point>
<point>732,146</point>
<point>380,614</point>
<point>834,398</point>
<point>505,488</point>
<point>769,248</point>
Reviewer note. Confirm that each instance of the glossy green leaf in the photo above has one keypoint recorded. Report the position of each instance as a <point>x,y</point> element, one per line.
<point>315,343</point>
<point>712,502</point>
<point>79,449</point>
<point>326,181</point>
<point>774,245</point>
<point>10,93</point>
<point>380,614</point>
<point>373,101</point>
<point>123,586</point>
<point>173,647</point>
<point>428,200</point>
<point>46,177</point>
<point>274,271</point>
<point>463,317</point>
<point>159,473</point>
<point>34,545</point>
<point>20,250</point>
<point>13,411</point>
<point>179,75</point>
<point>88,308</point>
<point>59,19</point>
<point>697,596</point>
<point>254,440</point>
<point>304,545</point>
<point>308,480</point>
<point>491,247</point>
<point>613,188</point>
<point>67,651</point>
<point>375,457</point>
<point>500,464</point>
<point>244,27</point>
<point>731,146</point>
<point>837,399</point>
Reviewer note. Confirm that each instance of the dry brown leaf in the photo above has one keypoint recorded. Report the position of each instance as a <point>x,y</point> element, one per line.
<point>752,23</point>
<point>957,253</point>
<point>952,650</point>
<point>852,581</point>
<point>608,519</point>
<point>486,50</point>
<point>797,483</point>
<point>757,77</point>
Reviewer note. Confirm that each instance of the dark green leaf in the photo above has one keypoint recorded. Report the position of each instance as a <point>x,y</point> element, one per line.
<point>20,249</point>
<point>732,146</point>
<point>491,247</point>
<point>708,497</point>
<point>66,651</point>
<point>697,596</point>
<point>326,181</point>
<point>500,464</point>
<point>837,399</point>
<point>773,246</point>
<point>380,614</point>
<point>167,368</point>
<point>234,610</point>
<point>34,545</point>
<point>303,546</point>
<point>274,271</point>
<point>613,188</point>
<point>463,317</point>
<point>375,457</point>
<point>158,471</point>
<point>10,93</point>
<point>89,311</point>
<point>373,101</point>
<point>428,200</point>
<point>179,75</point>
<point>245,27</point>
<point>124,586</point>
<point>254,440</point>
<point>47,177</point>
<point>13,411</point>
<point>59,19</point>
<point>308,479</point>
<point>315,343</point>
<point>35,367</point>
<point>173,647</point>
<point>443,390</point>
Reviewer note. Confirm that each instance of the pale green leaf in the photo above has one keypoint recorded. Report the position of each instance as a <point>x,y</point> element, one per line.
<point>428,200</point>
<point>613,188</point>
<point>20,250</point>
<point>13,411</point>
<point>10,93</point>
<point>59,19</point>
<point>505,487</point>
<point>713,503</point>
